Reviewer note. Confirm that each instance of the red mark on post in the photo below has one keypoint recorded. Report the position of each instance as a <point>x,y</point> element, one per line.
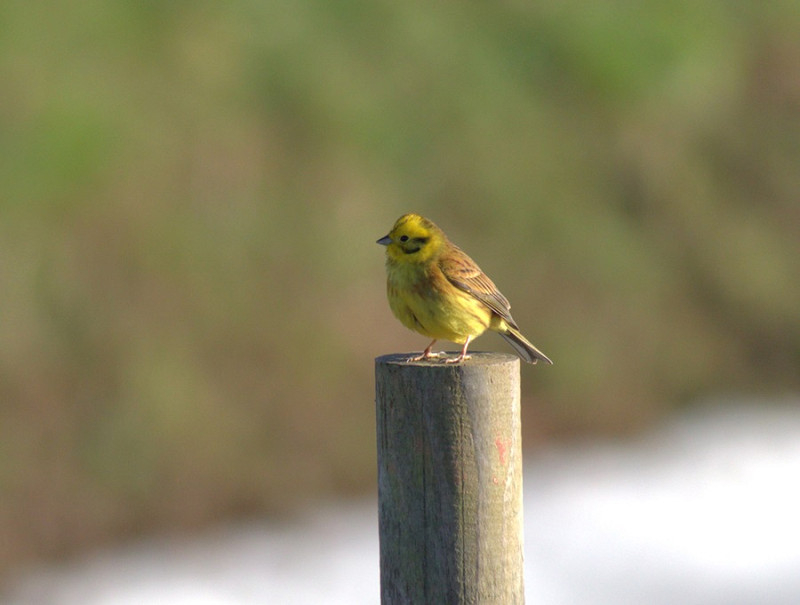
<point>502,448</point>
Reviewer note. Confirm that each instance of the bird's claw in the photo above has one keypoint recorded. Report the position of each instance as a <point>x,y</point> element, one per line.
<point>426,355</point>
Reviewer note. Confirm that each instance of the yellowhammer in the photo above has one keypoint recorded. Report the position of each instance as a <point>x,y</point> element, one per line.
<point>437,290</point>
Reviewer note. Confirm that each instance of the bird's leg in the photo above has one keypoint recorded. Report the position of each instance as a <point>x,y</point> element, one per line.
<point>461,356</point>
<point>426,354</point>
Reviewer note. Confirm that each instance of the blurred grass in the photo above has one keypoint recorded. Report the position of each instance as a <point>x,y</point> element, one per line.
<point>191,295</point>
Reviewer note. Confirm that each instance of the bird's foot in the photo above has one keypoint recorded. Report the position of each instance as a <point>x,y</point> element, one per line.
<point>426,355</point>
<point>463,355</point>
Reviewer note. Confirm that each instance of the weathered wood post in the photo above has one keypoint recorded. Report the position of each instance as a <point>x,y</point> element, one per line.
<point>449,480</point>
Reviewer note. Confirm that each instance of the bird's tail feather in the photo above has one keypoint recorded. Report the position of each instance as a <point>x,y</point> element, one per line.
<point>524,348</point>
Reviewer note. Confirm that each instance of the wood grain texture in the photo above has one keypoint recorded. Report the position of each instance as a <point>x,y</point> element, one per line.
<point>449,480</point>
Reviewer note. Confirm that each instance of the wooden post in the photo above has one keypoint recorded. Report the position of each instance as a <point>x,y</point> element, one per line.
<point>449,480</point>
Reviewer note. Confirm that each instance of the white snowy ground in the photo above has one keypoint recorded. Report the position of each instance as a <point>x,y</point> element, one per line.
<point>705,511</point>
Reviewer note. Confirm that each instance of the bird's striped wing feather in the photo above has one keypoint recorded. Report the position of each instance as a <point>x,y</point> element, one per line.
<point>464,274</point>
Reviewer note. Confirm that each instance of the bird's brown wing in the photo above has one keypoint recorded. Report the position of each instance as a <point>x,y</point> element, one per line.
<point>463,273</point>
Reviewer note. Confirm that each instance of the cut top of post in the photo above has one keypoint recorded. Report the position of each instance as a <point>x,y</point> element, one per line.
<point>476,358</point>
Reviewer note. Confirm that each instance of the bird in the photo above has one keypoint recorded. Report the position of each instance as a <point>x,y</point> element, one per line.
<point>435,289</point>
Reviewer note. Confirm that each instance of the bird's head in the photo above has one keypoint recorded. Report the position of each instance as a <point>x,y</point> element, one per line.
<point>413,239</point>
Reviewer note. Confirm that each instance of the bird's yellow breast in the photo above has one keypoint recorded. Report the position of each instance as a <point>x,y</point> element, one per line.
<point>425,301</point>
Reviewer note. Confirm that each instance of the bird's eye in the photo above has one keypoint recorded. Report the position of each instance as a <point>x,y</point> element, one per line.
<point>403,238</point>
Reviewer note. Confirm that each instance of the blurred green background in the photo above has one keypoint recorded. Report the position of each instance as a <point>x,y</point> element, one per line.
<point>191,296</point>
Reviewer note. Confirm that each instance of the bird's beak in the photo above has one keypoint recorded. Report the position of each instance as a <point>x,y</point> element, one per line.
<point>384,241</point>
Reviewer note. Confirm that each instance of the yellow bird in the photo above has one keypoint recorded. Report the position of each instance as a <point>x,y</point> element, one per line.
<point>435,289</point>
